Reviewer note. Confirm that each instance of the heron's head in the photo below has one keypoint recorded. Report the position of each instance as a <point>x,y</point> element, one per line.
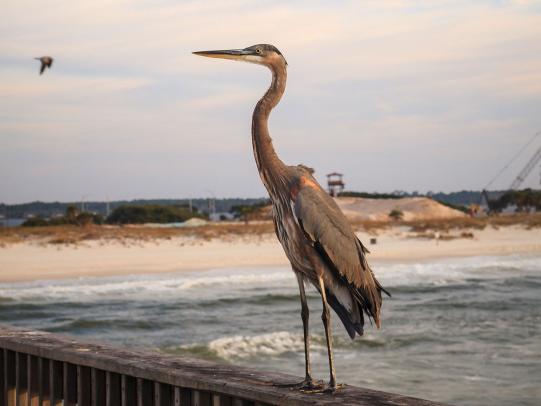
<point>262,54</point>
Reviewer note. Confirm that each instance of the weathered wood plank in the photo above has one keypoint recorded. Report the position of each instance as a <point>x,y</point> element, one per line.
<point>129,390</point>
<point>194,374</point>
<point>70,384</point>
<point>2,378</point>
<point>43,376</point>
<point>33,381</point>
<point>145,392</point>
<point>84,391</point>
<point>242,402</point>
<point>162,394</point>
<point>99,394</point>
<point>182,397</point>
<point>21,378</point>
<point>112,389</point>
<point>9,378</point>
<point>226,400</point>
<point>200,398</point>
<point>56,382</point>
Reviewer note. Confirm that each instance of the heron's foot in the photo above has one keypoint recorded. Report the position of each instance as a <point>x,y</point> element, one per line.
<point>330,389</point>
<point>305,385</point>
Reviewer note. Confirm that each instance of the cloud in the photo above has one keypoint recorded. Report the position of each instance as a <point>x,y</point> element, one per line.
<point>385,88</point>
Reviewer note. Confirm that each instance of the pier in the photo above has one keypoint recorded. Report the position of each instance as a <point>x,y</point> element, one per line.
<point>44,369</point>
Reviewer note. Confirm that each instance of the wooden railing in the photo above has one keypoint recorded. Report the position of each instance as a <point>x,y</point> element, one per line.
<point>39,368</point>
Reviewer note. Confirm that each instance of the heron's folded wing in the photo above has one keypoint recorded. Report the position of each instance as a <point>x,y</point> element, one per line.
<point>331,234</point>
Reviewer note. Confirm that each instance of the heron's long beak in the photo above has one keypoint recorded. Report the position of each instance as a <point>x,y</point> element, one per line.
<point>236,54</point>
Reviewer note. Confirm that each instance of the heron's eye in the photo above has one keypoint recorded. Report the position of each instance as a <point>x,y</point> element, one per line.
<point>258,50</point>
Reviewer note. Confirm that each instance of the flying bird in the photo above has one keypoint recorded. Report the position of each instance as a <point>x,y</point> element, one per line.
<point>315,235</point>
<point>46,62</point>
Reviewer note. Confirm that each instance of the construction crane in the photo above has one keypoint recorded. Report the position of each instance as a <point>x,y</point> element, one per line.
<point>526,170</point>
<point>523,173</point>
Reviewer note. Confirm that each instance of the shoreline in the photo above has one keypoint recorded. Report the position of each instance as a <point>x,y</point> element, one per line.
<point>32,260</point>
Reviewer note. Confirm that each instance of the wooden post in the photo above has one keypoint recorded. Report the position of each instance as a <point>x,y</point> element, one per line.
<point>2,378</point>
<point>112,388</point>
<point>21,379</point>
<point>44,381</point>
<point>145,393</point>
<point>181,397</point>
<point>70,384</point>
<point>56,373</point>
<point>162,394</point>
<point>221,400</point>
<point>84,392</point>
<point>9,378</point>
<point>201,398</point>
<point>33,381</point>
<point>129,390</point>
<point>99,392</point>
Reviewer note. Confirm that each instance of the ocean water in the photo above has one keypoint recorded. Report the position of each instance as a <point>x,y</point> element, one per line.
<point>461,331</point>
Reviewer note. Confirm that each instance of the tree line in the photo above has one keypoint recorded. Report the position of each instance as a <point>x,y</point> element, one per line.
<point>127,214</point>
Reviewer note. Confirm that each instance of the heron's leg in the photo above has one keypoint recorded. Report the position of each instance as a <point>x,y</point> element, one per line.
<point>308,383</point>
<point>326,317</point>
<point>305,314</point>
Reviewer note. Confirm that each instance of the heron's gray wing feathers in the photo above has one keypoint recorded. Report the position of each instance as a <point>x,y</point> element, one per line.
<point>323,222</point>
<point>43,66</point>
<point>330,233</point>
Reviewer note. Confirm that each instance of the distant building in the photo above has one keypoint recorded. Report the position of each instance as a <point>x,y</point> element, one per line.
<point>220,216</point>
<point>489,198</point>
<point>335,183</point>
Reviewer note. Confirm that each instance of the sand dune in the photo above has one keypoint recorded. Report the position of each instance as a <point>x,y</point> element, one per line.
<point>413,208</point>
<point>33,260</point>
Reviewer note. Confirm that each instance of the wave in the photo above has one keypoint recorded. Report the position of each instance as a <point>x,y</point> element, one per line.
<point>88,324</point>
<point>247,283</point>
<point>455,271</point>
<point>144,286</point>
<point>266,345</point>
<point>280,343</point>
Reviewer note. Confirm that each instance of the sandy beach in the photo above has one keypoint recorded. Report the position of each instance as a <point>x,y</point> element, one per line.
<point>34,260</point>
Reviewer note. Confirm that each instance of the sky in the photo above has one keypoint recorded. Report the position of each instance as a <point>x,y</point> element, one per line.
<point>421,96</point>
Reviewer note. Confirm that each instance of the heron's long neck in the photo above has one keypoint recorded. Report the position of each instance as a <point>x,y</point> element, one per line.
<point>270,167</point>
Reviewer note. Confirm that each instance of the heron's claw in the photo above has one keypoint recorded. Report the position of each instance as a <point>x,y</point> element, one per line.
<point>330,389</point>
<point>307,384</point>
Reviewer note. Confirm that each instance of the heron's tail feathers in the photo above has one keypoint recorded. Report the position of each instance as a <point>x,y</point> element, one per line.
<point>367,289</point>
<point>352,322</point>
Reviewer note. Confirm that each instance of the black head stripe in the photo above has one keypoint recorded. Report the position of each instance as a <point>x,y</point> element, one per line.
<point>266,47</point>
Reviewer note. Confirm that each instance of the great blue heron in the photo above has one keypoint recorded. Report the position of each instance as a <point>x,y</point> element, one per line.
<point>316,236</point>
<point>46,62</point>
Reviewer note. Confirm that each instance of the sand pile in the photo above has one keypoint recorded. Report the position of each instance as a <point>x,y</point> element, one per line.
<point>413,208</point>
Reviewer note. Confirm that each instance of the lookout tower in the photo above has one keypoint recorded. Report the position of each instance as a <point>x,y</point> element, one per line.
<point>335,184</point>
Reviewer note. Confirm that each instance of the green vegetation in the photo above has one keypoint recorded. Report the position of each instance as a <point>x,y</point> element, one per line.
<point>35,222</point>
<point>138,214</point>
<point>55,209</point>
<point>247,212</point>
<point>523,199</point>
<point>453,206</point>
<point>462,198</point>
<point>396,215</point>
<point>72,217</point>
